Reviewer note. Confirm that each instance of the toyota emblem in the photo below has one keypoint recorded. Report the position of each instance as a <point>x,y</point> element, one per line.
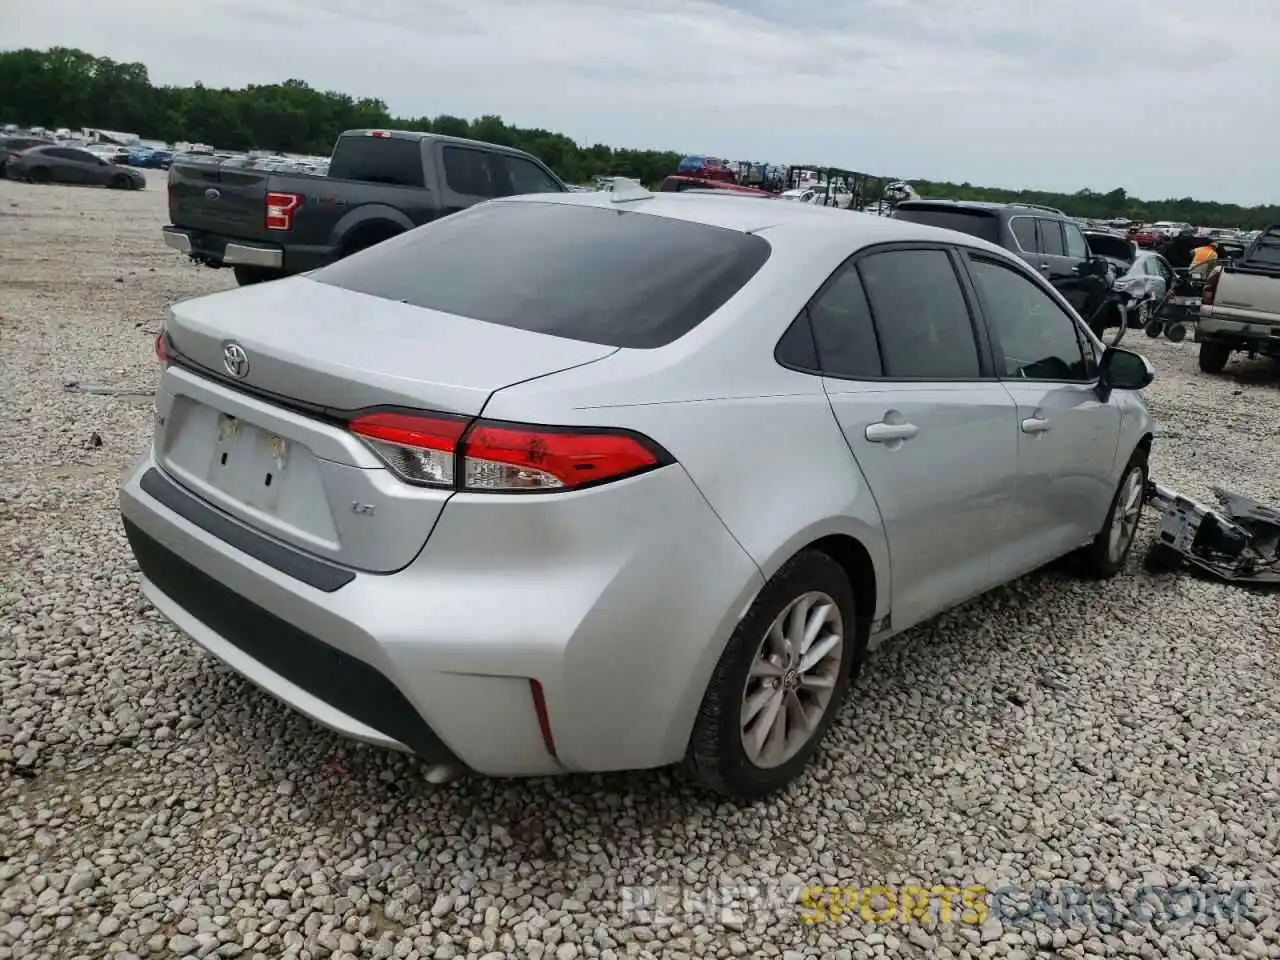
<point>235,361</point>
<point>212,194</point>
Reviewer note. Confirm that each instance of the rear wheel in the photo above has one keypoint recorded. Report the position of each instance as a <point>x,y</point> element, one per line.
<point>40,175</point>
<point>247,276</point>
<point>779,682</point>
<point>1176,331</point>
<point>1214,357</point>
<point>1153,328</point>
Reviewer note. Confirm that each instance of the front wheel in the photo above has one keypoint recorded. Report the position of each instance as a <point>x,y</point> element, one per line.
<point>1106,556</point>
<point>779,682</point>
<point>1213,357</point>
<point>121,183</point>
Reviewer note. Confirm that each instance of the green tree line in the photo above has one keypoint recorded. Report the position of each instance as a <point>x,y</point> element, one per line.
<point>62,87</point>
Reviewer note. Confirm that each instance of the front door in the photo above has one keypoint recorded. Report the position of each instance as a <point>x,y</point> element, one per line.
<point>936,442</point>
<point>1067,436</point>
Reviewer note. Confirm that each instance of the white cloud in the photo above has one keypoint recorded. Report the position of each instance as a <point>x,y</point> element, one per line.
<point>1163,97</point>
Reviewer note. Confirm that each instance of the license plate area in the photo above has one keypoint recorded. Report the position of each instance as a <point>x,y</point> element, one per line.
<point>269,480</point>
<point>248,464</point>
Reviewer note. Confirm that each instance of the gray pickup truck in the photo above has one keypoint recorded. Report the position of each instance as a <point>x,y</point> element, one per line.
<point>380,183</point>
<point>1240,306</point>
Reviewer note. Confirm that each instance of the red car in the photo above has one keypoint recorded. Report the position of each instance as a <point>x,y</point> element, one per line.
<point>1148,238</point>
<point>678,184</point>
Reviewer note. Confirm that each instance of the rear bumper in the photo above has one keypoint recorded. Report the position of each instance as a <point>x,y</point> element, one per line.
<point>217,250</point>
<point>618,616</point>
<point>222,251</point>
<point>1262,337</point>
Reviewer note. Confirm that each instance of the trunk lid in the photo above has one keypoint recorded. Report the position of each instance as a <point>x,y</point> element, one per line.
<point>206,195</point>
<point>1116,249</point>
<point>277,456</point>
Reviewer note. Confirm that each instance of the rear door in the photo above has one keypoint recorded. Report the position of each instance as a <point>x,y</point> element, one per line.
<point>469,177</point>
<point>1063,252</point>
<point>65,166</point>
<point>1067,437</point>
<point>933,432</point>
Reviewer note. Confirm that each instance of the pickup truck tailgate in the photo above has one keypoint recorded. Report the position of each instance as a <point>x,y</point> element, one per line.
<point>1251,295</point>
<point>218,199</point>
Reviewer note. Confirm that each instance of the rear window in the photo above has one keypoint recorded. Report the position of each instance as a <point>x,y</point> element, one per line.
<point>614,277</point>
<point>976,223</point>
<point>378,160</point>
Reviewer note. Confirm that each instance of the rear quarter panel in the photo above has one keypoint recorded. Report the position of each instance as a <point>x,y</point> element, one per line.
<point>759,440</point>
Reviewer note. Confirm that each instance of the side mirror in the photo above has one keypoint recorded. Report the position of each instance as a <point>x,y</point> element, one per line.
<point>1122,369</point>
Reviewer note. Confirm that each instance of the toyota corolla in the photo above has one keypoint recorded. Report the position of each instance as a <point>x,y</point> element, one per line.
<point>605,481</point>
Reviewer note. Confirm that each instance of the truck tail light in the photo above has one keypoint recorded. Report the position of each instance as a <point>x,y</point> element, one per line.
<point>487,456</point>
<point>162,348</point>
<point>280,209</point>
<point>1210,287</point>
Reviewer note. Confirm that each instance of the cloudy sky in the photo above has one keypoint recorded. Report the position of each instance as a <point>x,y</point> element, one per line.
<point>1163,97</point>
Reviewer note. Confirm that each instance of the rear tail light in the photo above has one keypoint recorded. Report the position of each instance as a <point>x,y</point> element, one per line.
<point>162,348</point>
<point>280,209</point>
<point>1210,287</point>
<point>497,457</point>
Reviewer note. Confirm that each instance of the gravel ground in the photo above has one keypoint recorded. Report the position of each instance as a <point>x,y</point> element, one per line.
<point>1055,736</point>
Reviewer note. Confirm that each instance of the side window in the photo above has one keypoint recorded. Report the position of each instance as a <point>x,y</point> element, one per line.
<point>1037,339</point>
<point>842,328</point>
<point>921,317</point>
<point>525,177</point>
<point>1024,231</point>
<point>468,172</point>
<point>1051,244</point>
<point>60,154</point>
<point>1077,245</point>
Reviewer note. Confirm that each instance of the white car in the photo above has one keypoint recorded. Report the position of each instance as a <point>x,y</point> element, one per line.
<point>601,481</point>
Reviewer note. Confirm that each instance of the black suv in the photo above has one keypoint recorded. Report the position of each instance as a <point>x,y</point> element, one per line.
<point>1046,238</point>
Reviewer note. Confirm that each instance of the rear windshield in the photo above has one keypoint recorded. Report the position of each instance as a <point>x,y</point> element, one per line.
<point>613,277</point>
<point>378,160</point>
<point>976,223</point>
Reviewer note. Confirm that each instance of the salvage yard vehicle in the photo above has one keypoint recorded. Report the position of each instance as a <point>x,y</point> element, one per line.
<point>60,164</point>
<point>1240,305</point>
<point>1045,238</point>
<point>620,480</point>
<point>380,183</point>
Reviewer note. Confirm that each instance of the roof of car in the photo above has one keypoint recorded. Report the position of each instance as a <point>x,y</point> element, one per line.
<point>746,214</point>
<point>991,205</point>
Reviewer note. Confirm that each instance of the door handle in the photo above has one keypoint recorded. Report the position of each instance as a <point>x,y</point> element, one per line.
<point>1035,425</point>
<point>1044,267</point>
<point>888,432</point>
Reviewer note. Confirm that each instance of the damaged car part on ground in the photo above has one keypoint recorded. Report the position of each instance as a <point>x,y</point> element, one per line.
<point>559,528</point>
<point>1238,542</point>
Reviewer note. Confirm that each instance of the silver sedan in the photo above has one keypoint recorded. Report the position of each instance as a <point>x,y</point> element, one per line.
<point>598,481</point>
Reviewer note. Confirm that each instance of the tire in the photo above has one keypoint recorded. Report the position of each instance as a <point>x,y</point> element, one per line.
<point>1101,559</point>
<point>1176,332</point>
<point>1213,357</point>
<point>121,183</point>
<point>40,175</point>
<point>247,276</point>
<point>1153,328</point>
<point>718,758</point>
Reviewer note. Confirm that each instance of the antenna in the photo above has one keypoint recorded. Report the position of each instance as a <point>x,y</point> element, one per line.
<point>625,189</point>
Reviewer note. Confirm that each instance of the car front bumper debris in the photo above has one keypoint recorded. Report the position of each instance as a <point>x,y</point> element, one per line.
<point>1239,541</point>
